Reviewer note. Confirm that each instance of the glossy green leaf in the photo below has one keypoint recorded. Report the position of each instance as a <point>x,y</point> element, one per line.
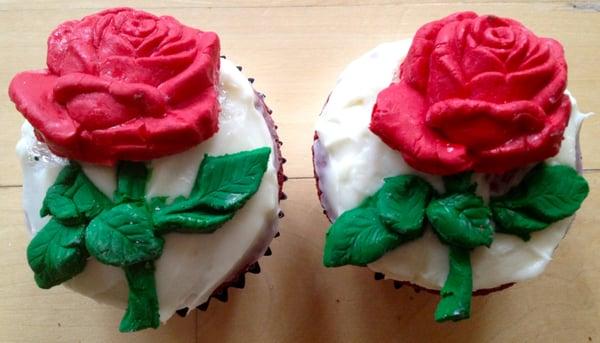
<point>358,237</point>
<point>401,204</point>
<point>455,303</point>
<point>222,186</point>
<point>516,223</point>
<point>73,198</point>
<point>226,182</point>
<point>123,236</point>
<point>546,194</point>
<point>142,301</point>
<point>462,220</point>
<point>197,221</point>
<point>56,253</point>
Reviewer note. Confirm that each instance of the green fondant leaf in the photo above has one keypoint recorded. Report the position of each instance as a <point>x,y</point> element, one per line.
<point>516,223</point>
<point>225,183</point>
<point>222,186</point>
<point>123,236</point>
<point>358,237</point>
<point>73,198</point>
<point>131,182</point>
<point>459,183</point>
<point>56,253</point>
<point>546,194</point>
<point>458,288</point>
<point>197,221</point>
<point>461,220</point>
<point>142,302</point>
<point>392,216</point>
<point>401,204</point>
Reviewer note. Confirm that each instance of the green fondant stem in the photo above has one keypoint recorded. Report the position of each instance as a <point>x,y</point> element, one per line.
<point>142,302</point>
<point>131,181</point>
<point>457,291</point>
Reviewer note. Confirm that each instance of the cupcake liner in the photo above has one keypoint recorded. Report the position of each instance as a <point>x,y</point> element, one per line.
<point>221,293</point>
<point>399,284</point>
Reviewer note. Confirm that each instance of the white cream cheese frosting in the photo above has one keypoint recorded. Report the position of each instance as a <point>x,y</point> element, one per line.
<point>352,163</point>
<point>192,266</point>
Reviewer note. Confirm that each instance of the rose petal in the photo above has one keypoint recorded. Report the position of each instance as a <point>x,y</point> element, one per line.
<point>146,100</point>
<point>174,31</point>
<point>401,125</point>
<point>152,42</point>
<point>415,67</point>
<point>140,140</point>
<point>70,52</point>
<point>446,75</point>
<point>114,44</point>
<point>481,125</point>
<point>93,111</point>
<point>527,149</point>
<point>196,122</point>
<point>186,42</point>
<point>480,60</point>
<point>550,96</point>
<point>519,50</point>
<point>70,85</point>
<point>199,73</point>
<point>539,54</point>
<point>127,69</point>
<point>544,83</point>
<point>32,94</point>
<point>490,87</point>
<point>166,67</point>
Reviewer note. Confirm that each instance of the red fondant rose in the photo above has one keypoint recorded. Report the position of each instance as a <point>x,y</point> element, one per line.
<point>477,93</point>
<point>122,85</point>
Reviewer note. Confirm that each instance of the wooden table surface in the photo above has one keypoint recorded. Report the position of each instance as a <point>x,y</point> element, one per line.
<point>295,50</point>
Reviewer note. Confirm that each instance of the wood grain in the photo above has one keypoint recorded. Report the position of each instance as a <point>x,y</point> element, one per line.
<point>296,50</point>
<point>90,4</point>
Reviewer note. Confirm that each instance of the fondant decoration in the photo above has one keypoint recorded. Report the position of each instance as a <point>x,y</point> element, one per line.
<point>478,93</point>
<point>548,194</point>
<point>462,220</point>
<point>127,231</point>
<point>122,85</point>
<point>455,302</point>
<point>382,222</point>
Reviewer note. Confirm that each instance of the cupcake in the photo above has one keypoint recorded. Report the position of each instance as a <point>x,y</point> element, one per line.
<point>450,161</point>
<point>152,170</point>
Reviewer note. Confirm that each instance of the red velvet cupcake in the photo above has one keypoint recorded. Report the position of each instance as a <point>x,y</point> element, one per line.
<point>450,161</point>
<point>152,168</point>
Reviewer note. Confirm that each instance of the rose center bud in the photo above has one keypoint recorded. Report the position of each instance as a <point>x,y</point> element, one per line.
<point>499,37</point>
<point>138,27</point>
